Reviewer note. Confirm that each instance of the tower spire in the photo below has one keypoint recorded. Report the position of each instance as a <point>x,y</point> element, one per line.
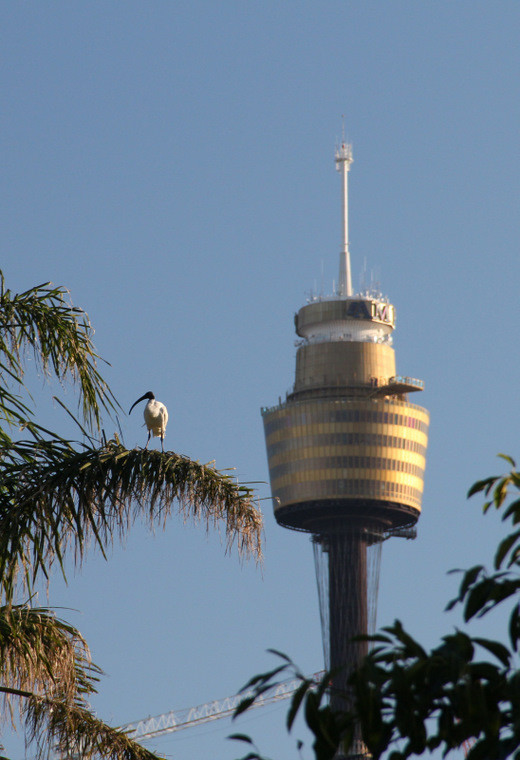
<point>343,161</point>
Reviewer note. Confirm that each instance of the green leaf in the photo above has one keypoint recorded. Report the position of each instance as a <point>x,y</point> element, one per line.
<point>500,492</point>
<point>244,705</point>
<point>241,738</point>
<point>507,459</point>
<point>512,510</point>
<point>504,547</point>
<point>296,701</point>
<point>282,655</point>
<point>514,627</point>
<point>481,485</point>
<point>497,649</point>
<point>263,678</point>
<point>477,599</point>
<point>412,647</point>
<point>469,578</point>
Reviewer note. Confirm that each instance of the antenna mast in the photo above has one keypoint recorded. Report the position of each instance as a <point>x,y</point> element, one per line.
<point>343,161</point>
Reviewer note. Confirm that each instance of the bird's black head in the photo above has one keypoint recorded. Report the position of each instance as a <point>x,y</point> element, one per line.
<point>148,395</point>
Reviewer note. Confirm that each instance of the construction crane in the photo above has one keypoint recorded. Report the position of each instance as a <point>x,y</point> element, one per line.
<point>189,717</point>
<point>176,720</point>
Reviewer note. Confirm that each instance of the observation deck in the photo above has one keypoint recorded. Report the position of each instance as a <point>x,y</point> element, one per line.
<point>347,445</point>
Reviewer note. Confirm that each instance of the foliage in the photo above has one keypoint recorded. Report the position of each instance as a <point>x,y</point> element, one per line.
<point>56,497</point>
<point>42,320</point>
<point>462,694</point>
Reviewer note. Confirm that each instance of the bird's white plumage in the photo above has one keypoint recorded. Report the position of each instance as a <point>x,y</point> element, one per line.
<point>156,417</point>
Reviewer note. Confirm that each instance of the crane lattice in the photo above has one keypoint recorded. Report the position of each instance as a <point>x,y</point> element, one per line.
<point>176,720</point>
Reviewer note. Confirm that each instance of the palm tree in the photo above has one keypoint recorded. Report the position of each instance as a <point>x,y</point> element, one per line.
<point>56,495</point>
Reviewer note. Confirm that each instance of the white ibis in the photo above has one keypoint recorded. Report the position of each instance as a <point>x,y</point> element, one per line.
<point>155,417</point>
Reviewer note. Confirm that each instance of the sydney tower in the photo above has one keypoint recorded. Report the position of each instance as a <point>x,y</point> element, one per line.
<point>347,452</point>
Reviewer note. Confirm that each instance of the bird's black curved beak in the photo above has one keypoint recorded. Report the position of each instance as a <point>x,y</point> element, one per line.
<point>138,400</point>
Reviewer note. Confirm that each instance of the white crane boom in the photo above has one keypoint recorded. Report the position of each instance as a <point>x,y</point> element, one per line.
<point>176,720</point>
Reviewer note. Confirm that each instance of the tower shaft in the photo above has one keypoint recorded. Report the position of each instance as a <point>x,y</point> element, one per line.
<point>348,603</point>
<point>348,616</point>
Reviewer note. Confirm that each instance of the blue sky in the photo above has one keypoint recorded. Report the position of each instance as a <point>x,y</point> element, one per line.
<point>171,163</point>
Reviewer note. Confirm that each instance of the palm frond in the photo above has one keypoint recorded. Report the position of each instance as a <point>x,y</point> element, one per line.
<point>42,655</point>
<point>42,320</point>
<point>54,496</point>
<point>71,730</point>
